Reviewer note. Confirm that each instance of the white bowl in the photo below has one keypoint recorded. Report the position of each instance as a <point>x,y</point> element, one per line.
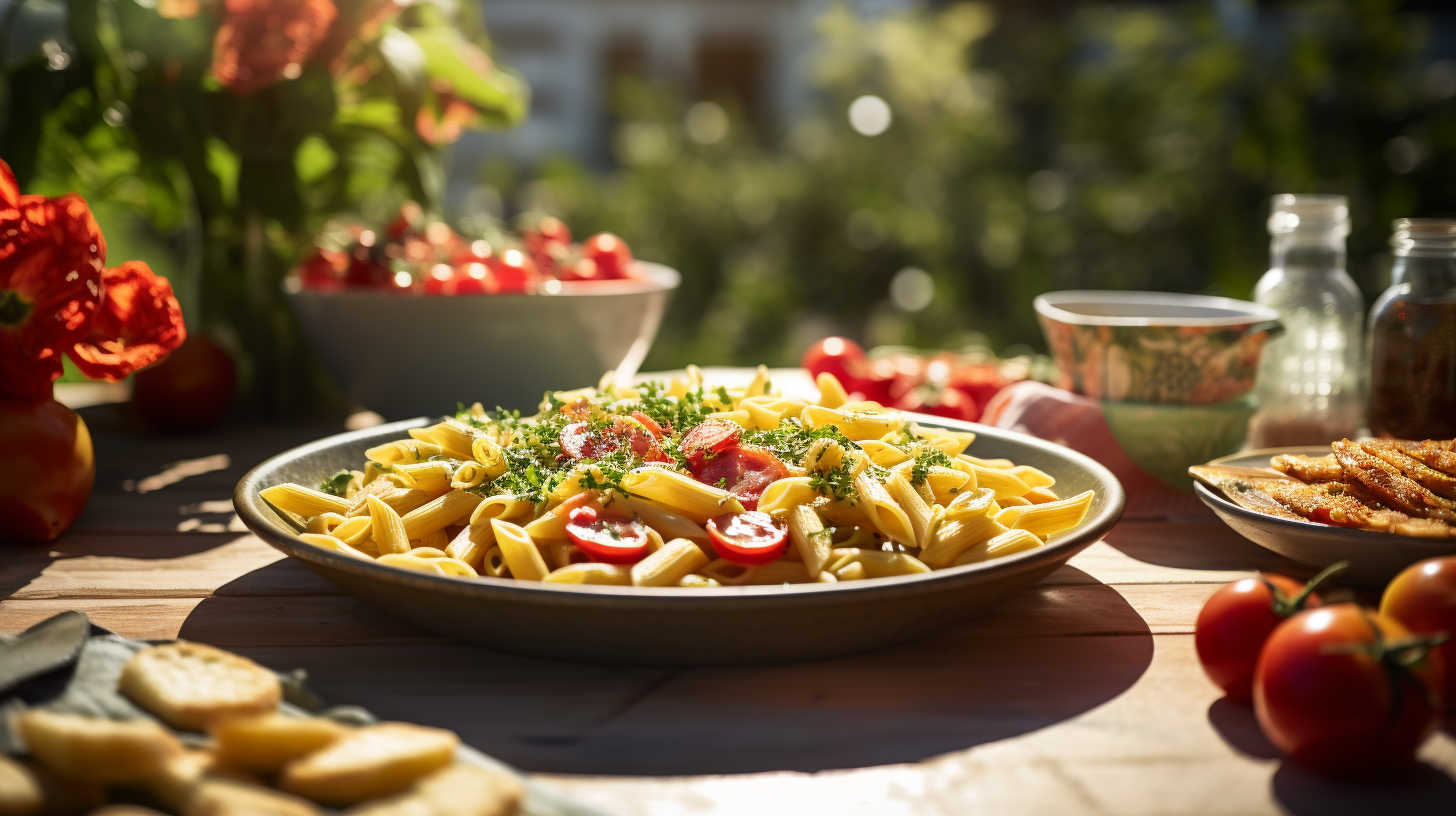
<point>407,355</point>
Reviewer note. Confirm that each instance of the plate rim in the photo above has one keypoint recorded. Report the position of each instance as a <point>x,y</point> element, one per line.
<point>1216,501</point>
<point>1093,529</point>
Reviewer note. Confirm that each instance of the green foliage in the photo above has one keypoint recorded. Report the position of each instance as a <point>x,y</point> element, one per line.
<point>111,99</point>
<point>1120,146</point>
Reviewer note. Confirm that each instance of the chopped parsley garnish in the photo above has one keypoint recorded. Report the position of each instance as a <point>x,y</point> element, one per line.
<point>337,484</point>
<point>925,460</point>
<point>836,483</point>
<point>790,440</point>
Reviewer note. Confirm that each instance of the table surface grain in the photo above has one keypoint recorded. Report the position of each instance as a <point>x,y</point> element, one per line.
<point>1082,695</point>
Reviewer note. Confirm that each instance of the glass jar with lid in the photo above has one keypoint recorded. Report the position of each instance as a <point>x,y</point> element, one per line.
<point>1310,377</point>
<point>1413,335</point>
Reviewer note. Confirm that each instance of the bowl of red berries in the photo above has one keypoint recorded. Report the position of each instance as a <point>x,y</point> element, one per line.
<point>408,316</point>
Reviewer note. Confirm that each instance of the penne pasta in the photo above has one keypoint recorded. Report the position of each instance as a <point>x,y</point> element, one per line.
<point>600,574</point>
<point>676,560</point>
<point>681,492</point>
<point>387,527</point>
<point>1049,517</point>
<point>811,540</point>
<point>329,542</point>
<point>437,514</point>
<point>521,555</point>
<point>303,501</point>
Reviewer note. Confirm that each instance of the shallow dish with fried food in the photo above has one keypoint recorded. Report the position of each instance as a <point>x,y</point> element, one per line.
<point>1377,542</point>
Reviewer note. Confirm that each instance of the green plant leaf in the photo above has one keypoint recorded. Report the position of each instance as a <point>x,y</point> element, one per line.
<point>501,98</point>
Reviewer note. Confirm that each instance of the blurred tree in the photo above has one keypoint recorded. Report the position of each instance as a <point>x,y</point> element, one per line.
<point>956,166</point>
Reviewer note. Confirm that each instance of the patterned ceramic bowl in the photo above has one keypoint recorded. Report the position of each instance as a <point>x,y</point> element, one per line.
<point>1155,347</point>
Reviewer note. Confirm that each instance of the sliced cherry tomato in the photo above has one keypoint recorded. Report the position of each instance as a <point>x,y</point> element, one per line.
<point>1342,690</point>
<point>745,471</point>
<point>1423,599</point>
<point>708,440</point>
<point>610,254</point>
<point>608,539</point>
<point>1234,624</point>
<point>578,441</point>
<point>748,538</point>
<point>839,356</point>
<point>649,423</point>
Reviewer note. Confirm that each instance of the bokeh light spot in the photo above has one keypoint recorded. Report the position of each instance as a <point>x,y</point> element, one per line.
<point>870,115</point>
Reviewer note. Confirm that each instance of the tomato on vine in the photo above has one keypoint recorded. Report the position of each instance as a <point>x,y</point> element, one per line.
<point>1345,690</point>
<point>1238,618</point>
<point>1423,599</point>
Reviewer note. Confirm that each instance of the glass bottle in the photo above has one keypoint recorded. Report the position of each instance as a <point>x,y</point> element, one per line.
<point>1413,335</point>
<point>1310,376</point>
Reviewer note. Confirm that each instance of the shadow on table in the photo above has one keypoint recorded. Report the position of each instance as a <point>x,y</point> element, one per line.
<point>1198,545</point>
<point>1044,656</point>
<point>1236,724</point>
<point>1420,790</point>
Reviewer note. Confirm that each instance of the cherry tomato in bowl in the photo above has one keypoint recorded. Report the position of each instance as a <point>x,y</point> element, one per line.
<point>748,538</point>
<point>610,255</point>
<point>1423,599</point>
<point>1236,621</point>
<point>605,538</point>
<point>1342,690</point>
<point>946,402</point>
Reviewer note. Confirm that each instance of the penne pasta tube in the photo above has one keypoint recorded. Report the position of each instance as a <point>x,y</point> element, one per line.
<point>951,443</point>
<point>387,529</point>
<point>403,452</point>
<point>494,563</point>
<point>883,512</point>
<point>854,571</point>
<point>782,496</point>
<point>454,437</point>
<point>1003,482</point>
<point>590,573</point>
<point>500,507</point>
<point>324,523</point>
<point>329,542</point>
<point>470,474</point>
<point>1031,476</point>
<point>439,513</point>
<point>811,540</point>
<point>354,530</point>
<point>434,566</point>
<point>759,385</point>
<point>999,464</point>
<point>1041,495</point>
<point>725,572</point>
<point>427,552</point>
<point>550,527</point>
<point>1013,501</point>
<point>1007,543</point>
<point>524,560</point>
<point>303,501</point>
<point>856,425</point>
<point>779,572</point>
<point>883,453</point>
<point>696,581</point>
<point>946,483</point>
<point>471,544</point>
<point>915,508</point>
<point>831,390</point>
<point>968,521</point>
<point>1050,517</point>
<point>876,563</point>
<point>488,454</point>
<point>742,418</point>
<point>436,540</point>
<point>676,560</point>
<point>682,493</point>
<point>667,522</point>
<point>564,554</point>
<point>431,477</point>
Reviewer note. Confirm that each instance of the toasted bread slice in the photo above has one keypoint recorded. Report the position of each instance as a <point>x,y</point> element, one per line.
<point>459,790</point>
<point>379,760</point>
<point>92,749</point>
<point>218,797</point>
<point>191,685</point>
<point>266,743</point>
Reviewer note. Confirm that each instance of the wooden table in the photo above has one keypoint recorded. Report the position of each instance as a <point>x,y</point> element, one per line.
<point>1082,696</point>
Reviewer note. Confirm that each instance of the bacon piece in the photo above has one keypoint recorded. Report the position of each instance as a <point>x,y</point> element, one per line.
<point>1412,468</point>
<point>1309,468</point>
<point>1388,484</point>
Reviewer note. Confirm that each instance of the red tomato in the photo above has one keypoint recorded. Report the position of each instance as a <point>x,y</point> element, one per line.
<point>649,423</point>
<point>1423,599</point>
<point>367,271</point>
<point>748,538</point>
<point>948,402</point>
<point>46,469</point>
<point>323,271</point>
<point>608,539</point>
<point>189,391</point>
<point>578,441</point>
<point>1331,695</point>
<point>980,382</point>
<point>744,471</point>
<point>708,440</point>
<point>1235,622</point>
<point>512,272</point>
<point>473,252</point>
<point>440,280</point>
<point>411,215</point>
<point>610,254</point>
<point>839,356</point>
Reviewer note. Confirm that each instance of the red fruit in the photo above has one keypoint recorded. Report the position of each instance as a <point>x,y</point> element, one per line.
<point>610,254</point>
<point>946,402</point>
<point>608,539</point>
<point>512,272</point>
<point>1235,622</point>
<point>1344,691</point>
<point>980,381</point>
<point>745,471</point>
<point>1423,599</point>
<point>748,538</point>
<point>839,356</point>
<point>46,468</point>
<point>191,390</point>
<point>709,439</point>
<point>139,323</point>
<point>367,271</point>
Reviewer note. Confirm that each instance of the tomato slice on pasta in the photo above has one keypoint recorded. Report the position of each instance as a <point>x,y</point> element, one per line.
<point>745,471</point>
<point>608,539</point>
<point>748,538</point>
